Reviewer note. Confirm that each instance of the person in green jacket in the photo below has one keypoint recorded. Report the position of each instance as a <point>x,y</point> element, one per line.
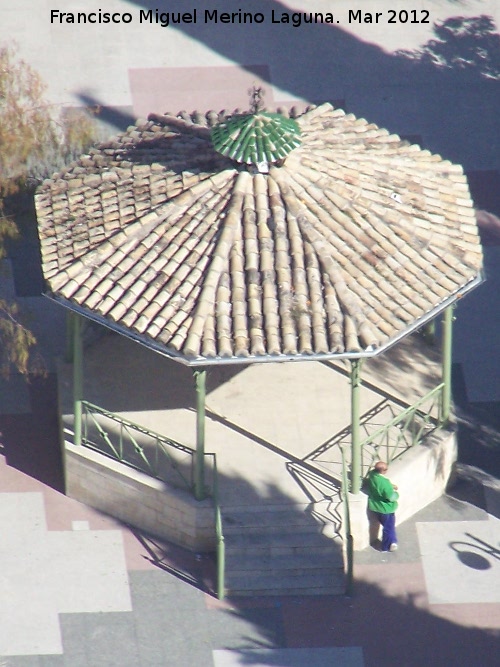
<point>383,502</point>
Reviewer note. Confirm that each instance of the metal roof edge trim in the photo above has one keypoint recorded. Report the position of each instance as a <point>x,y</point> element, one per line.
<point>428,317</point>
<point>227,361</point>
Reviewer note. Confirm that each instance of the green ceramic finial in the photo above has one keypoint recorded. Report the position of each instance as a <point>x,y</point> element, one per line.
<point>258,137</point>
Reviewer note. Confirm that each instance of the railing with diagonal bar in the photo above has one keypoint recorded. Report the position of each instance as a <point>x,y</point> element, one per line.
<point>403,431</point>
<point>157,456</point>
<point>136,446</point>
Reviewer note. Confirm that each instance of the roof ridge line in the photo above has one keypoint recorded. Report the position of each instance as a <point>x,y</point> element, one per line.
<point>218,265</point>
<point>180,124</point>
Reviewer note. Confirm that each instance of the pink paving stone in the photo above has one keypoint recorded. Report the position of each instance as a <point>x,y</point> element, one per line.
<point>31,462</point>
<point>30,442</point>
<point>140,553</point>
<point>61,511</point>
<point>211,602</point>
<point>389,618</point>
<point>321,621</point>
<point>485,616</point>
<point>190,88</point>
<point>342,621</point>
<point>401,580</point>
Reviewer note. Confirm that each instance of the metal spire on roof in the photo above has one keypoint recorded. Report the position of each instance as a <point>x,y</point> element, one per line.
<point>259,137</point>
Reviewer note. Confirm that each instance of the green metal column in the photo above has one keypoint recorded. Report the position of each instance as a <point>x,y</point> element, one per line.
<point>77,378</point>
<point>446,361</point>
<point>199,461</point>
<point>355,426</point>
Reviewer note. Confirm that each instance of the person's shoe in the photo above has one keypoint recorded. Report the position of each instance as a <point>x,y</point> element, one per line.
<point>393,547</point>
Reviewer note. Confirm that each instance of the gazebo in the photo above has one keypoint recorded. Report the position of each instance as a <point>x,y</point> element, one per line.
<point>258,237</point>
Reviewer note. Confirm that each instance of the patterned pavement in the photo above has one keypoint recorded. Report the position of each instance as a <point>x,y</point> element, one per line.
<point>71,571</point>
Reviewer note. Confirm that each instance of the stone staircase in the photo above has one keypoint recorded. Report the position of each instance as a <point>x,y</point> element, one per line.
<point>282,550</point>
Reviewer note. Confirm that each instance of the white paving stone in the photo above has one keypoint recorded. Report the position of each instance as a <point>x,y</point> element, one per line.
<point>44,573</point>
<point>461,560</point>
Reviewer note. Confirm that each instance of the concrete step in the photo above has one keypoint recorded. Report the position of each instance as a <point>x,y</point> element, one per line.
<point>296,564</point>
<point>271,518</point>
<point>282,550</point>
<point>281,544</point>
<point>264,584</point>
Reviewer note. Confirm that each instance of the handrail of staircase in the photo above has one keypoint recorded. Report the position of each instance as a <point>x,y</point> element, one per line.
<point>219,533</point>
<point>347,523</point>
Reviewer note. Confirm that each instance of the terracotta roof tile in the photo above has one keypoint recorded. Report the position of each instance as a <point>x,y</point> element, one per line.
<point>352,240</point>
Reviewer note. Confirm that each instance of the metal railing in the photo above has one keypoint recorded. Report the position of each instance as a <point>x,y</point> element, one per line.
<point>155,455</point>
<point>404,430</point>
<point>219,533</point>
<point>349,542</point>
<point>136,446</point>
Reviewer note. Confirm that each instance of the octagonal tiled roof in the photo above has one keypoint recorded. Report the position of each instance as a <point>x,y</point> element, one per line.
<point>349,243</point>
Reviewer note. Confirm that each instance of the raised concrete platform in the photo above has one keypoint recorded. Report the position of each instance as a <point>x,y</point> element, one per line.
<point>138,499</point>
<point>422,474</point>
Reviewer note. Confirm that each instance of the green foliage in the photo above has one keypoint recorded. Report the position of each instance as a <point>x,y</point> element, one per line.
<point>34,142</point>
<point>465,44</point>
<point>26,128</point>
<point>8,230</point>
<point>16,342</point>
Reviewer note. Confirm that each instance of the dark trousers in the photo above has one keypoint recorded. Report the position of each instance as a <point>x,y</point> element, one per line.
<point>388,522</point>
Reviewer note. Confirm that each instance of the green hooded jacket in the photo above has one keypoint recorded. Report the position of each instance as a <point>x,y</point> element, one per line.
<point>381,494</point>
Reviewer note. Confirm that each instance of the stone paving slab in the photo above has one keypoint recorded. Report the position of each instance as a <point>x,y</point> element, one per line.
<point>171,622</point>
<point>461,561</point>
<point>44,573</point>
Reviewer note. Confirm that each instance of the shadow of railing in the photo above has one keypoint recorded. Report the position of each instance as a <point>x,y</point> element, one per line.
<point>469,555</point>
